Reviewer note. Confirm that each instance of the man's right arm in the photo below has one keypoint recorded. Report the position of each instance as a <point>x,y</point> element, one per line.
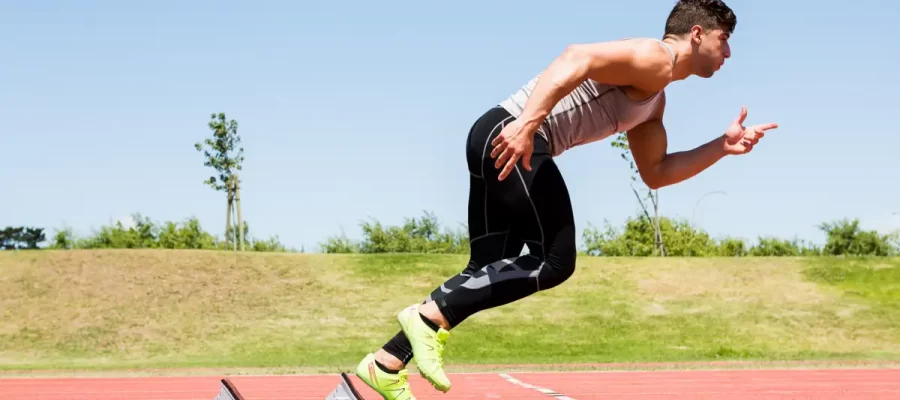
<point>643,64</point>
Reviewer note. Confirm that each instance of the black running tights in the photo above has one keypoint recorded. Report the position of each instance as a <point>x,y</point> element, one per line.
<point>528,207</point>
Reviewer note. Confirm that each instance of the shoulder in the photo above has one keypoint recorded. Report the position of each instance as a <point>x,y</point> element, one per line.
<point>643,63</point>
<point>648,47</point>
<point>654,60</point>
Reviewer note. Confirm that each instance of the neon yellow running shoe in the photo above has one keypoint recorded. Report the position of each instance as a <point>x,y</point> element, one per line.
<point>427,346</point>
<point>389,386</point>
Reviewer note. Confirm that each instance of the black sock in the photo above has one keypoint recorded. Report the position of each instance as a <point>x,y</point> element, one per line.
<point>399,347</point>
<point>385,369</point>
<point>428,322</point>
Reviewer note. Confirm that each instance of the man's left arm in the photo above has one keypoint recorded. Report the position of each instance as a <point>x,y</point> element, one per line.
<point>658,168</point>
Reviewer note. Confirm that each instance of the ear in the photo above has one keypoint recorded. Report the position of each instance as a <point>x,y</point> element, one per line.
<point>697,34</point>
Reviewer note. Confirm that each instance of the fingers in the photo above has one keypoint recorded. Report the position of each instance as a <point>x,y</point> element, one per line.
<point>503,157</point>
<point>508,147</point>
<point>758,131</point>
<point>499,139</point>
<point>751,135</point>
<point>754,134</point>
<point>504,154</point>
<point>508,159</point>
<point>499,144</point>
<point>743,115</point>
<point>508,168</point>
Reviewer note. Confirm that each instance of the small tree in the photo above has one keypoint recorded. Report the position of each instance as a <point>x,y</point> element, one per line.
<point>845,238</point>
<point>220,155</point>
<point>621,142</point>
<point>21,238</point>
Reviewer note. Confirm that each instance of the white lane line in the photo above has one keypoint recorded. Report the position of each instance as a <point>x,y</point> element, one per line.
<point>546,391</point>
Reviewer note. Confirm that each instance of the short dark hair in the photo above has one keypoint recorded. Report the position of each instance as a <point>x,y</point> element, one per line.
<point>709,14</point>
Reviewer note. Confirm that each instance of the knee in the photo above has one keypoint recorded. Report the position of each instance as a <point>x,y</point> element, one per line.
<point>558,267</point>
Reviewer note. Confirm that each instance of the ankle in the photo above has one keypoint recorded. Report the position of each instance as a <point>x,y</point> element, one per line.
<point>387,360</point>
<point>431,312</point>
<point>428,322</point>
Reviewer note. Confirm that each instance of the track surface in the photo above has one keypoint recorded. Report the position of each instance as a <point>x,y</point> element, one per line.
<point>829,384</point>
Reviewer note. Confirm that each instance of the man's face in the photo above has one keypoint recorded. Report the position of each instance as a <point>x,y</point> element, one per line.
<point>711,48</point>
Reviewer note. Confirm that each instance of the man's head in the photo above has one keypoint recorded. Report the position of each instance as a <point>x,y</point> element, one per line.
<point>706,25</point>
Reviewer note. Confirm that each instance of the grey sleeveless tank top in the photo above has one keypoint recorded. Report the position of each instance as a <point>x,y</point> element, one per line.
<point>591,112</point>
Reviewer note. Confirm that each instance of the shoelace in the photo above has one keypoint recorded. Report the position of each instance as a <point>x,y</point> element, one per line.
<point>440,350</point>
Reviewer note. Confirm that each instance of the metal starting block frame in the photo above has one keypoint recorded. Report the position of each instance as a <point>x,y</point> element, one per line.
<point>344,390</point>
<point>227,391</point>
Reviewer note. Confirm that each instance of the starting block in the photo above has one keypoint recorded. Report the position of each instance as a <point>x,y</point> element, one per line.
<point>227,391</point>
<point>344,390</point>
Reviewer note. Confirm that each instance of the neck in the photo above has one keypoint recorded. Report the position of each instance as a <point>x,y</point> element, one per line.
<point>682,48</point>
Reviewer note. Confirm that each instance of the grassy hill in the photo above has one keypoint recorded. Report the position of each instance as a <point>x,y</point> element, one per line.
<point>144,309</point>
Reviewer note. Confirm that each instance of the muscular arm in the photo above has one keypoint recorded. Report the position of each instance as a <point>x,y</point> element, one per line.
<point>642,64</point>
<point>659,168</point>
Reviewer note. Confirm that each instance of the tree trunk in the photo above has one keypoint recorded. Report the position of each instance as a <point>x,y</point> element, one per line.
<point>229,232</point>
<point>661,247</point>
<point>237,204</point>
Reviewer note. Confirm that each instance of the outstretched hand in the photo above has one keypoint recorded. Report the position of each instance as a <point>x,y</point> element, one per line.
<point>513,142</point>
<point>740,140</point>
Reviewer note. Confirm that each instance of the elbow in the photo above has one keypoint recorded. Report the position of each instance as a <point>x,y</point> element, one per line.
<point>654,185</point>
<point>653,180</point>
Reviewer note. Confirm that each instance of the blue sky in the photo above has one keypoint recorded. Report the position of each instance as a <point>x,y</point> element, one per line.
<point>352,110</point>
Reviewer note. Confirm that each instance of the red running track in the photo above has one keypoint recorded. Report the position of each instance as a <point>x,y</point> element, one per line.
<point>830,384</point>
